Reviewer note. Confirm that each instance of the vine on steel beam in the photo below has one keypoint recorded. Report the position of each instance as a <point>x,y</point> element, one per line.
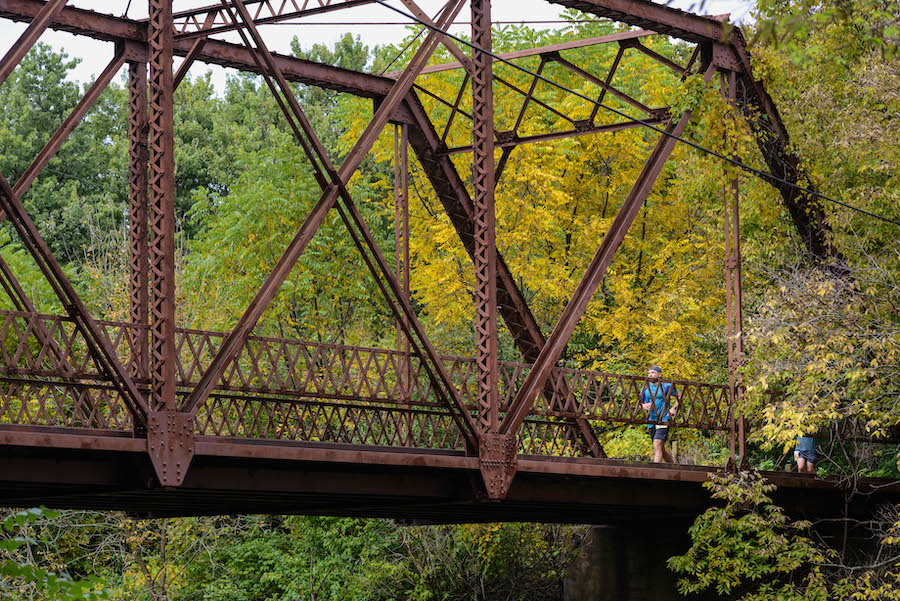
<point>806,212</point>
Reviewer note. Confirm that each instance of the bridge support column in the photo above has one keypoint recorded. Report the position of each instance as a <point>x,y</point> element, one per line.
<point>401,251</point>
<point>137,214</point>
<point>626,563</point>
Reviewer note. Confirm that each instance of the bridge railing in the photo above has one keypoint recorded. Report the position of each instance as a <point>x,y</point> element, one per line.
<point>48,377</point>
<point>608,401</point>
<point>298,390</point>
<point>309,391</point>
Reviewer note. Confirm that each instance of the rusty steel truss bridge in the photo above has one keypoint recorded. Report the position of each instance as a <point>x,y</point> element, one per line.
<point>152,419</point>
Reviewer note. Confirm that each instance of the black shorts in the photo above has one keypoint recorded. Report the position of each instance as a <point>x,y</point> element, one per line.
<point>810,456</point>
<point>658,433</point>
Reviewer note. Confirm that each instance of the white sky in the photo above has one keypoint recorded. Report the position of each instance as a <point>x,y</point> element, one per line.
<point>95,55</point>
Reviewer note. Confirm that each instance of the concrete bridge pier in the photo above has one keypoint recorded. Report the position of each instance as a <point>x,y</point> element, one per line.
<point>627,563</point>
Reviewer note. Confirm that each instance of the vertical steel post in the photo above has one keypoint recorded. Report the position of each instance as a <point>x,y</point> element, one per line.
<point>497,452</point>
<point>729,320</point>
<point>485,236</point>
<point>401,250</point>
<point>734,314</point>
<point>170,433</point>
<point>733,308</point>
<point>162,206</point>
<point>738,319</point>
<point>137,212</point>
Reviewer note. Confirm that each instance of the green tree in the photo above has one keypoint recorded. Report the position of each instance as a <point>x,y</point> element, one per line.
<point>82,188</point>
<point>749,549</point>
<point>22,574</point>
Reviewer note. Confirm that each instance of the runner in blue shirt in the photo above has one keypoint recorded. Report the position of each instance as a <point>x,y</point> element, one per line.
<point>653,399</point>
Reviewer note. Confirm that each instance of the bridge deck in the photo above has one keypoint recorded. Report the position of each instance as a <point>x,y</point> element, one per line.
<point>303,427</point>
<point>239,476</point>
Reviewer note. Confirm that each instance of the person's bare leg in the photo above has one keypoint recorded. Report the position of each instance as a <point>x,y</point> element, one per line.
<point>658,450</point>
<point>801,464</point>
<point>810,467</point>
<point>667,455</point>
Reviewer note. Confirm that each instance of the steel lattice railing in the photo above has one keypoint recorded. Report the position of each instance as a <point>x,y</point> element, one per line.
<point>309,391</point>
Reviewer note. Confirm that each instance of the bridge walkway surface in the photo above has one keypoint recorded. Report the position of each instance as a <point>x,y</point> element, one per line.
<point>304,427</point>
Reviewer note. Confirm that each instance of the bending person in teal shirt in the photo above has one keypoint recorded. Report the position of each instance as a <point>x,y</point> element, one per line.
<point>805,454</point>
<point>653,399</point>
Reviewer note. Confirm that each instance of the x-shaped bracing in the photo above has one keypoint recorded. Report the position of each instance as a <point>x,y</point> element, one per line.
<point>399,103</point>
<point>333,183</point>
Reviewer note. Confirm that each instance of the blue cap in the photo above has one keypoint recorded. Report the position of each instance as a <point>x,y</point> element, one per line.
<point>655,368</point>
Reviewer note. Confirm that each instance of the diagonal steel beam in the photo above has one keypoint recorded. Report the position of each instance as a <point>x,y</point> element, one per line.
<point>602,83</point>
<point>636,44</point>
<point>542,50</point>
<point>29,37</point>
<point>449,44</point>
<point>100,348</point>
<point>191,56</point>
<point>22,303</point>
<point>232,345</point>
<point>68,126</point>
<point>188,25</point>
<point>455,109</point>
<point>578,304</point>
<point>608,82</point>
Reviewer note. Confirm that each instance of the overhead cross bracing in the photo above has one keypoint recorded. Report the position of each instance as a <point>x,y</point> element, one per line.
<point>145,416</point>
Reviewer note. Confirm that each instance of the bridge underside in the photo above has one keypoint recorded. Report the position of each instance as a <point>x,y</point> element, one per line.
<point>233,476</point>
